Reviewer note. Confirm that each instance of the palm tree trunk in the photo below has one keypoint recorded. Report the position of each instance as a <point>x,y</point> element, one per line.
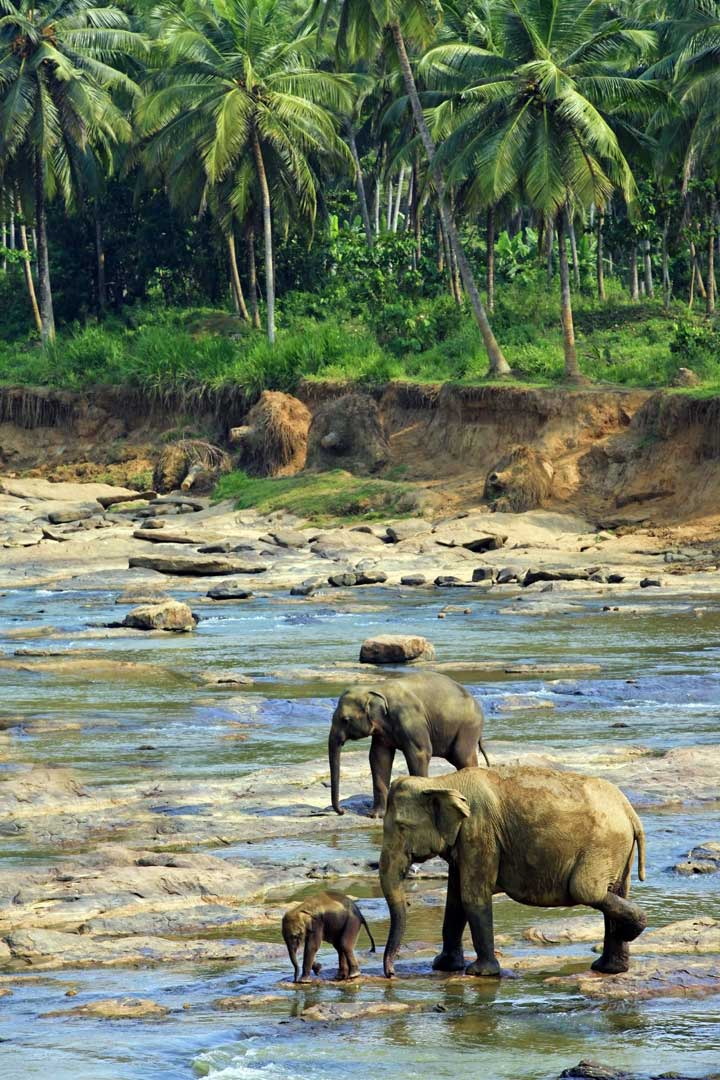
<point>710,303</point>
<point>634,284</point>
<point>100,261</point>
<point>600,256</point>
<point>498,363</point>
<point>388,214</point>
<point>267,232</point>
<point>376,207</point>
<point>359,184</point>
<point>44,285</point>
<point>573,249</point>
<point>12,230</point>
<point>408,202</point>
<point>667,284</point>
<point>398,197</point>
<point>698,273</point>
<point>3,240</point>
<point>572,370</point>
<point>237,290</point>
<point>491,258</point>
<point>649,288</point>
<point>549,238</point>
<point>252,274</point>
<point>27,271</point>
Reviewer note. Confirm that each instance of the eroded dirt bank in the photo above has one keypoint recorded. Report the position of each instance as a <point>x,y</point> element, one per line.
<point>617,457</point>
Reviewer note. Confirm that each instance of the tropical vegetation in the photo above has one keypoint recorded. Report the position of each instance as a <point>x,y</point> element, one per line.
<point>208,192</point>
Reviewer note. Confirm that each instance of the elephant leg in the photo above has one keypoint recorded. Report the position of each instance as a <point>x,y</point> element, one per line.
<point>347,945</point>
<point>381,763</point>
<point>418,759</point>
<point>464,752</point>
<point>452,957</point>
<point>615,956</point>
<point>480,917</point>
<point>343,965</point>
<point>313,941</point>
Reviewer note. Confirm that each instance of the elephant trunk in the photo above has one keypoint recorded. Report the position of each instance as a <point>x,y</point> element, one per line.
<point>335,745</point>
<point>391,882</point>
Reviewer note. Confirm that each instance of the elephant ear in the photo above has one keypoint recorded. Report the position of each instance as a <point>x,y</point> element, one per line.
<point>448,808</point>
<point>376,706</point>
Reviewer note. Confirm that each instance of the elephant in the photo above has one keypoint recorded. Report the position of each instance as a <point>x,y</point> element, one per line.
<point>545,838</point>
<point>326,916</point>
<point>423,714</point>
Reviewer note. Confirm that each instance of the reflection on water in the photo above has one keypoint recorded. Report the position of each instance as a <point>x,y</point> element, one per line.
<point>658,679</point>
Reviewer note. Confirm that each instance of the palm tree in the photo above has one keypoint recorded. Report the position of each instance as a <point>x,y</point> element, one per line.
<point>536,115</point>
<point>60,64</point>
<point>243,93</point>
<point>361,25</point>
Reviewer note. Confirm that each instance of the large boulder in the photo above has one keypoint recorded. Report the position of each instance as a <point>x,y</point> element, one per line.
<point>396,649</point>
<point>168,615</point>
<point>522,480</point>
<point>347,432</point>
<point>273,440</point>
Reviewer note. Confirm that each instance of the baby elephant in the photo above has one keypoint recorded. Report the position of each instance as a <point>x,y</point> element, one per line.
<point>327,916</point>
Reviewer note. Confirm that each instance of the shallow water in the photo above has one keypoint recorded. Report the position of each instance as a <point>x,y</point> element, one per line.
<point>660,677</point>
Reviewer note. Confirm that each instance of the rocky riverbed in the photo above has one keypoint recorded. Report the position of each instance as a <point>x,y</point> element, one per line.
<point>164,793</point>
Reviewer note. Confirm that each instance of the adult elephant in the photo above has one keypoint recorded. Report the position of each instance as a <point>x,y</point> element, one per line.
<point>546,838</point>
<point>424,715</point>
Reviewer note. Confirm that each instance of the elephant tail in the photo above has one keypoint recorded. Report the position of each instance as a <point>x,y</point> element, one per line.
<point>367,929</point>
<point>640,841</point>
<point>481,748</point>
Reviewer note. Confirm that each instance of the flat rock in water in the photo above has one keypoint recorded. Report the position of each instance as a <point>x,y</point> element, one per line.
<point>164,536</point>
<point>342,1012</point>
<point>228,679</point>
<point>140,595</point>
<point>506,576</point>
<point>240,1002</point>
<point>554,575</point>
<point>371,577</point>
<point>665,977</point>
<point>406,530</point>
<point>170,615</point>
<point>289,538</point>
<point>413,579</point>
<point>396,649</point>
<point>63,517</point>
<point>566,931</point>
<point>700,935</point>
<point>116,1009</point>
<point>196,566</point>
<point>226,590</point>
<point>448,581</point>
<point>703,859</point>
<point>344,580</point>
<point>308,587</point>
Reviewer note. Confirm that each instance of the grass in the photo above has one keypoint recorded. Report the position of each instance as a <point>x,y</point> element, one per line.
<point>167,353</point>
<point>328,496</point>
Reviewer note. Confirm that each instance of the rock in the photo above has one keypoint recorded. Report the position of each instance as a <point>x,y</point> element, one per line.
<point>63,517</point>
<point>413,579</point>
<point>344,580</point>
<point>485,543</point>
<point>685,376</point>
<point>447,581</point>
<point>226,590</point>
<point>191,565</point>
<point>699,935</point>
<point>54,534</point>
<point>520,481</point>
<point>582,928</point>
<point>593,1070</point>
<point>170,615</point>
<point>408,529</point>
<point>165,536</point>
<point>648,583</point>
<point>396,649</point>
<point>116,1009</point>
<point>289,538</point>
<point>228,679</point>
<point>664,977</point>
<point>142,595</point>
<point>506,577</point>
<point>553,575</point>
<point>615,579</point>
<point>371,577</point>
<point>483,573</point>
<point>343,1012</point>
<point>308,587</point>
<point>154,512</point>
<point>704,859</point>
<point>154,523</point>
<point>240,1002</point>
<point>106,501</point>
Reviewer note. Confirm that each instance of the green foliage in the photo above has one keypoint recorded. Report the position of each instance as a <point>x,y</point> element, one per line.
<point>316,496</point>
<point>697,345</point>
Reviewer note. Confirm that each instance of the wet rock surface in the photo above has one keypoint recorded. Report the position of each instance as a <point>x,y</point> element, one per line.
<point>396,649</point>
<point>171,615</point>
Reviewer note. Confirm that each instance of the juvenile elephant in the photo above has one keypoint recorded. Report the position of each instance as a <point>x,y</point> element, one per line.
<point>425,715</point>
<point>546,838</point>
<point>327,916</point>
